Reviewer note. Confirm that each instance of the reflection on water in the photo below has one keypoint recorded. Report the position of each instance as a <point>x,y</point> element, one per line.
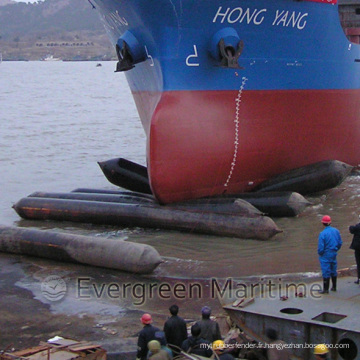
<point>67,116</point>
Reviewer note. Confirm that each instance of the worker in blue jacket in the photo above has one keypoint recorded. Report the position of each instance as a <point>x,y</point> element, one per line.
<point>329,244</point>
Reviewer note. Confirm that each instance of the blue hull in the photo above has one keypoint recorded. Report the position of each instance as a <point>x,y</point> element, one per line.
<point>222,86</point>
<point>287,44</point>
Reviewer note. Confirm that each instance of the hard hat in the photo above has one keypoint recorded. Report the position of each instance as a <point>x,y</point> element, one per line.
<point>146,319</point>
<point>321,349</point>
<point>206,310</point>
<point>218,345</point>
<point>326,219</point>
<point>154,346</point>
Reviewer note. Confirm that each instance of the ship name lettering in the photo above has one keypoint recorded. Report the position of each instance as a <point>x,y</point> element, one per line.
<point>240,15</point>
<point>293,19</point>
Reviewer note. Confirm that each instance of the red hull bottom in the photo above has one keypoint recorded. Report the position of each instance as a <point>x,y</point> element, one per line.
<point>208,143</point>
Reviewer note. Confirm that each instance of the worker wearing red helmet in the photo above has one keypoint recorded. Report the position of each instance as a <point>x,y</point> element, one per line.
<point>329,244</point>
<point>146,334</point>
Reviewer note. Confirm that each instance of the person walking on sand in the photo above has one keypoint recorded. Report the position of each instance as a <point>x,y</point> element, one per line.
<point>328,245</point>
<point>355,245</point>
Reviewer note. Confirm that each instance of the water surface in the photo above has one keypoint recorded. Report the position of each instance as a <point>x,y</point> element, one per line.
<point>58,119</point>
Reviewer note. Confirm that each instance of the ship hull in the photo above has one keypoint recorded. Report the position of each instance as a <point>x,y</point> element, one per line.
<point>225,153</point>
<point>292,99</point>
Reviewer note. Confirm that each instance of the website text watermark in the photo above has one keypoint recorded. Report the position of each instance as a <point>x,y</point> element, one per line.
<point>278,346</point>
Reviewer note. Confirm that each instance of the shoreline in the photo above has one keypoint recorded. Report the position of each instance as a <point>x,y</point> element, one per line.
<point>111,322</point>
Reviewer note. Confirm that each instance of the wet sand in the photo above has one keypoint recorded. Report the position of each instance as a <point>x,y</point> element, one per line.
<point>105,306</point>
<point>99,305</point>
<point>87,109</point>
<point>102,316</point>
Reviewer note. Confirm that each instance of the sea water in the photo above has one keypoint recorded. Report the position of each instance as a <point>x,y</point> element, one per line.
<point>58,119</point>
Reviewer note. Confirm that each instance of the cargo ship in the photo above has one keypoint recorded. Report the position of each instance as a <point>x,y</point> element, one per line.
<point>231,93</point>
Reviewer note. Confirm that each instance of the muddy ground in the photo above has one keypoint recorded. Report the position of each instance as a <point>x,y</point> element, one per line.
<point>27,317</point>
<point>92,304</point>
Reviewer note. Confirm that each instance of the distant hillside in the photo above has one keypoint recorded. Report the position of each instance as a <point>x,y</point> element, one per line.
<point>5,2</point>
<point>69,29</point>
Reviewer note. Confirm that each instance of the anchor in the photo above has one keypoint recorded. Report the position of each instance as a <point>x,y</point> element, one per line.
<point>230,56</point>
<point>125,62</point>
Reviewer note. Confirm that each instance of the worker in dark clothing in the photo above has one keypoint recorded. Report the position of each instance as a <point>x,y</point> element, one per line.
<point>329,244</point>
<point>209,328</point>
<point>175,330</point>
<point>218,347</point>
<point>195,344</point>
<point>355,245</point>
<point>146,334</point>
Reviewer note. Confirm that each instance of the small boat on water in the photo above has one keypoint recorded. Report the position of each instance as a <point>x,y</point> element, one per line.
<point>51,58</point>
<point>232,93</point>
